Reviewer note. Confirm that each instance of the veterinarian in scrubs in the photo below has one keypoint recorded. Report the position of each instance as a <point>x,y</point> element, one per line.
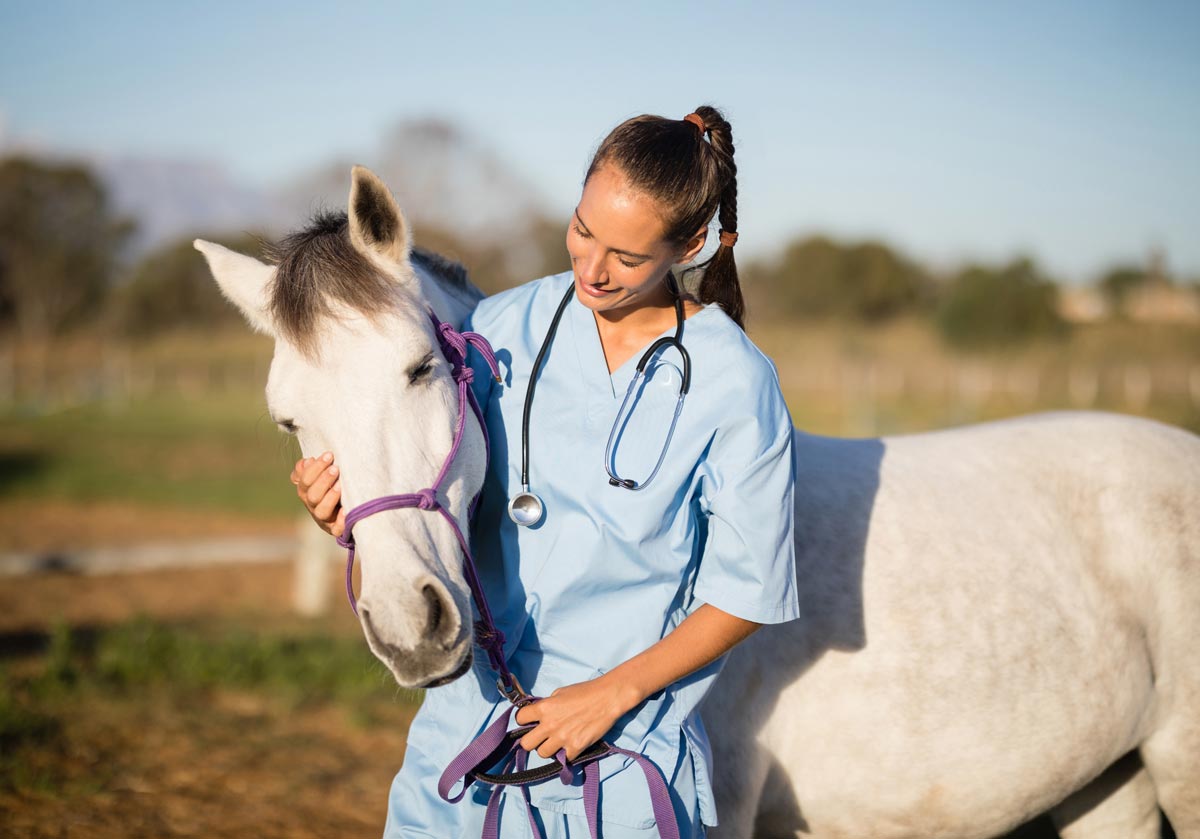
<point>617,606</point>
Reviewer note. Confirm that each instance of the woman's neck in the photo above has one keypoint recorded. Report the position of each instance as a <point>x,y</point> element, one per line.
<point>625,331</point>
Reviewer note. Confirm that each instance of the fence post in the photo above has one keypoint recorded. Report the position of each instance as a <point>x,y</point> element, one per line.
<point>310,591</point>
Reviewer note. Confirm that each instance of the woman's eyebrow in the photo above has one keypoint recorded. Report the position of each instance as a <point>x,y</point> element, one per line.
<point>579,218</point>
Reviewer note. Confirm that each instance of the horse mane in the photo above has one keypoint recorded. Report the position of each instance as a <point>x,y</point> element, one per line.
<point>317,266</point>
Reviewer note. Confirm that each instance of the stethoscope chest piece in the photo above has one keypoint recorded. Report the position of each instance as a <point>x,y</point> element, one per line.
<point>525,508</point>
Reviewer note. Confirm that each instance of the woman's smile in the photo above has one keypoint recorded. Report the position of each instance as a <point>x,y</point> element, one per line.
<point>596,290</point>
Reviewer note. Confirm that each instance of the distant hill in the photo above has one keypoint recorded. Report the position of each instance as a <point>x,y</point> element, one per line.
<point>171,198</point>
<point>442,177</point>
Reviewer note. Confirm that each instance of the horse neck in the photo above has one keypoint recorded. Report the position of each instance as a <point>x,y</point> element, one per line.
<point>449,307</point>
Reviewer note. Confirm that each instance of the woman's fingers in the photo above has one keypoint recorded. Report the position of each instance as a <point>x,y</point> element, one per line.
<point>319,488</point>
<point>317,485</point>
<point>536,740</point>
<point>314,468</point>
<point>326,508</point>
<point>541,737</point>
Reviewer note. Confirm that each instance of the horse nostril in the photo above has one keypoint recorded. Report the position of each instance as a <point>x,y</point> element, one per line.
<point>436,611</point>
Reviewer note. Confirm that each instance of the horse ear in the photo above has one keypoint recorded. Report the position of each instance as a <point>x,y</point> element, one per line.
<point>377,227</point>
<point>243,280</point>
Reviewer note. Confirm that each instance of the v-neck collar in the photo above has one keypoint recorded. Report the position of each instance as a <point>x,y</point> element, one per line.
<point>593,366</point>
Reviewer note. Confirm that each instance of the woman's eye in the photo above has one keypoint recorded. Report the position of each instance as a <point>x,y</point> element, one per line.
<point>628,264</point>
<point>579,231</point>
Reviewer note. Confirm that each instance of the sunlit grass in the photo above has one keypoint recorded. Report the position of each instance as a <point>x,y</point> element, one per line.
<point>214,452</point>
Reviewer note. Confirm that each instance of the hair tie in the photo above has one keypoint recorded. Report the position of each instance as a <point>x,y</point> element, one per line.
<point>698,121</point>
<point>728,239</point>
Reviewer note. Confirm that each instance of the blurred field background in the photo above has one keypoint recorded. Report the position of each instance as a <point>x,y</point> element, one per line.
<point>170,663</point>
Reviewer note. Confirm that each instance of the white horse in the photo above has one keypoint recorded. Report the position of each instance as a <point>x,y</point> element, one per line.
<point>998,620</point>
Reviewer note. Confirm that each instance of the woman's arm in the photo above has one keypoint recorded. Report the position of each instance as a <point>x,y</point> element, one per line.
<point>575,716</point>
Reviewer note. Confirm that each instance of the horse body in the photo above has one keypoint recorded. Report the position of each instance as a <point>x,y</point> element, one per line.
<point>997,620</point>
<point>991,617</point>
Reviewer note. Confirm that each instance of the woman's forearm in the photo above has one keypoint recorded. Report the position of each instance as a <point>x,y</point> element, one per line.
<point>575,716</point>
<point>702,637</point>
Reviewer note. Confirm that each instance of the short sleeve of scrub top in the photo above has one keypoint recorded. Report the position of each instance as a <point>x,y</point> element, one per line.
<point>747,567</point>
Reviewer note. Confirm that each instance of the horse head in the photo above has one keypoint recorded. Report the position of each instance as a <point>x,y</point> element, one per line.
<point>358,371</point>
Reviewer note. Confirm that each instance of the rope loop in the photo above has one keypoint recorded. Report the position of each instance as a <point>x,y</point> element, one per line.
<point>489,637</point>
<point>427,499</point>
<point>452,339</point>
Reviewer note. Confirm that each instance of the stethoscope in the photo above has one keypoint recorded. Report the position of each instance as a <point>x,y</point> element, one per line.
<point>526,508</point>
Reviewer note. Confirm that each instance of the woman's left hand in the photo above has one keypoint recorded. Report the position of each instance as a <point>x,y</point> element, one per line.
<point>575,716</point>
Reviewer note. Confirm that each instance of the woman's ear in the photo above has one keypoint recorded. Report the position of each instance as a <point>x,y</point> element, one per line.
<point>694,246</point>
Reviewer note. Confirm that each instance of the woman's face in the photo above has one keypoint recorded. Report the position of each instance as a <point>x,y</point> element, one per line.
<point>617,249</point>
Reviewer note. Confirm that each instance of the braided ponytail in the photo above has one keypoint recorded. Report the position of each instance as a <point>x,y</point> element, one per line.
<point>692,178</point>
<point>720,282</point>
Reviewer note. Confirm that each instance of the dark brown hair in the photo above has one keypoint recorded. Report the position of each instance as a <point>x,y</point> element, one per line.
<point>670,160</point>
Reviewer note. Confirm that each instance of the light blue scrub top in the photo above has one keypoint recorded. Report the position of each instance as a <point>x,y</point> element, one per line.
<point>608,572</point>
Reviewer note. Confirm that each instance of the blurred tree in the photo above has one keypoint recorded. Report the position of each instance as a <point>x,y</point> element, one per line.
<point>534,251</point>
<point>988,307</point>
<point>172,287</point>
<point>818,277</point>
<point>59,241</point>
<point>486,263</point>
<point>1118,282</point>
<point>547,247</point>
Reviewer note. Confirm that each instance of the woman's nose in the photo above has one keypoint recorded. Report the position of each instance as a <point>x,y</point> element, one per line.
<point>591,266</point>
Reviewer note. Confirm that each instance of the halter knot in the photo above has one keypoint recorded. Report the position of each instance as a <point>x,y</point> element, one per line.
<point>464,374</point>
<point>451,339</point>
<point>427,499</point>
<point>488,637</point>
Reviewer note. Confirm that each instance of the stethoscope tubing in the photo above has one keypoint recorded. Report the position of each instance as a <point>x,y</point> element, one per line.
<point>533,379</point>
<point>526,499</point>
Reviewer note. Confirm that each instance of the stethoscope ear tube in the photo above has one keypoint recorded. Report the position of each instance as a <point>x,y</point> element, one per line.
<point>610,465</point>
<point>669,341</point>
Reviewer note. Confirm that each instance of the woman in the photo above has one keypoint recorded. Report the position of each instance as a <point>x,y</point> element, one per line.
<point>618,604</point>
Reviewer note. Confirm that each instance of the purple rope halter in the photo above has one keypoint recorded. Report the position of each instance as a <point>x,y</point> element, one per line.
<point>454,348</point>
<point>498,745</point>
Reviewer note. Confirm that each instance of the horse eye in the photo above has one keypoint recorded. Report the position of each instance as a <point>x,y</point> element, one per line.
<point>288,425</point>
<point>420,371</point>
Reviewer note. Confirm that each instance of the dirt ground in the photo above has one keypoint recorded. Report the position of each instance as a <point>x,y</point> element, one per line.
<point>49,525</point>
<point>233,764</point>
<point>230,765</point>
<point>34,603</point>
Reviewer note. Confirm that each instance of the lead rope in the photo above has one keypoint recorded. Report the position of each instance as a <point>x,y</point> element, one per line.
<point>497,743</point>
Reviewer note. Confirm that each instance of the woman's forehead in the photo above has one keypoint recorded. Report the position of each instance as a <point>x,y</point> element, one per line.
<point>619,216</point>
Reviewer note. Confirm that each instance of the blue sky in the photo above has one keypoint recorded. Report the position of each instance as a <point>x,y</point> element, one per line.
<point>1068,130</point>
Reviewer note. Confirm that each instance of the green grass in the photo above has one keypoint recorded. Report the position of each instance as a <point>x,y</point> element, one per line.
<point>298,667</point>
<point>218,453</point>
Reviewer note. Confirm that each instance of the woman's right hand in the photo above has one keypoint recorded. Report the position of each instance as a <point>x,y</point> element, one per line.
<point>317,484</point>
